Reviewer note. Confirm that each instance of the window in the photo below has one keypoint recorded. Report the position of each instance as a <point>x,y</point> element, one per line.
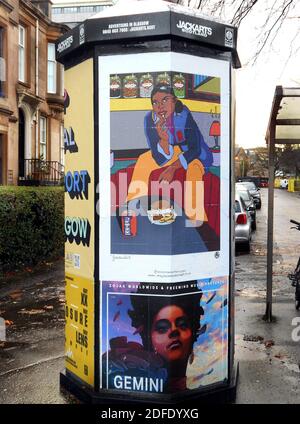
<point>2,63</point>
<point>237,207</point>
<point>43,138</point>
<point>22,47</point>
<point>85,9</point>
<point>51,68</point>
<point>70,10</point>
<point>245,195</point>
<point>62,146</point>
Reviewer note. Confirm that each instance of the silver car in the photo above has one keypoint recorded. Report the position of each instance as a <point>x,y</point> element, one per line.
<point>254,191</point>
<point>249,202</point>
<point>243,231</point>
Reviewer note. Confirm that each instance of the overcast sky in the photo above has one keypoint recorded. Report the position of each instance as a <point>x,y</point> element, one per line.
<point>256,84</point>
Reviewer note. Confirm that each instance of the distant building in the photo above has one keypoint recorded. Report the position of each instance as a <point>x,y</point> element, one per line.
<point>72,12</point>
<point>31,93</point>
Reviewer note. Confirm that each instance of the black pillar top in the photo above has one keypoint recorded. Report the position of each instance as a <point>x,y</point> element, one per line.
<point>169,21</point>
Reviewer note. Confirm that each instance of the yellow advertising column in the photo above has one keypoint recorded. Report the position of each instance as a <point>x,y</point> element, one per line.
<point>79,221</point>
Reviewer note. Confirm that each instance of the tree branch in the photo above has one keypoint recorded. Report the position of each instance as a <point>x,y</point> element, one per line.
<point>236,12</point>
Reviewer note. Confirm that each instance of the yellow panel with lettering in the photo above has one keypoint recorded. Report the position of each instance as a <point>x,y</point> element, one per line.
<point>79,333</point>
<point>79,170</point>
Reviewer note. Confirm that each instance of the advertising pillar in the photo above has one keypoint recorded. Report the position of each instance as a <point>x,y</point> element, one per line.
<point>149,216</point>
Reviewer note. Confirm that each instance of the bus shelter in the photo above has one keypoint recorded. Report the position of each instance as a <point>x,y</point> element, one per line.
<point>283,128</point>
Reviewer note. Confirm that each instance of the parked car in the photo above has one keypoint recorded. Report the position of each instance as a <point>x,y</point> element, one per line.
<point>255,180</point>
<point>263,182</point>
<point>284,183</point>
<point>243,231</point>
<point>249,202</point>
<point>254,191</point>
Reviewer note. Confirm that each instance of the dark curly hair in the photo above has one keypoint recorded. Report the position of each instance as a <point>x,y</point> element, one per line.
<point>167,89</point>
<point>146,307</point>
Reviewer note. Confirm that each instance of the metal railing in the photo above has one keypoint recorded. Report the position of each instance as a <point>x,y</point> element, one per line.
<point>43,172</point>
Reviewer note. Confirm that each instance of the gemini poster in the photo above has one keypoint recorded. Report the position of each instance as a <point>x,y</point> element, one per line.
<point>165,153</point>
<point>164,338</point>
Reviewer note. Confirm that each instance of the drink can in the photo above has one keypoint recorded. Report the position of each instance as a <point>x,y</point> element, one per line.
<point>129,224</point>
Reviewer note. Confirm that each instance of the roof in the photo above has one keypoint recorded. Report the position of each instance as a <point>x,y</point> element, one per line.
<point>148,19</point>
<point>285,115</point>
<point>239,150</point>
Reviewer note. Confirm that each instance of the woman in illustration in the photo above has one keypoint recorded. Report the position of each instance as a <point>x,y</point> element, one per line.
<point>175,142</point>
<point>169,326</point>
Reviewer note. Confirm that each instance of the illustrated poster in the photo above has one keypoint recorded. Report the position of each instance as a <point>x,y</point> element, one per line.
<point>164,135</point>
<point>164,338</point>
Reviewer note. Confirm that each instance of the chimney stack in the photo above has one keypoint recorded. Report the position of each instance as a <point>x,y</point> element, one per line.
<point>44,5</point>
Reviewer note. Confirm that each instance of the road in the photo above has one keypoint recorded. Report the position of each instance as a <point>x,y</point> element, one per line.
<point>251,270</point>
<point>33,305</point>
<point>268,356</point>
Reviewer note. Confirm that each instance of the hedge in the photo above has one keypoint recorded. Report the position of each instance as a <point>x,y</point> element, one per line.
<point>31,225</point>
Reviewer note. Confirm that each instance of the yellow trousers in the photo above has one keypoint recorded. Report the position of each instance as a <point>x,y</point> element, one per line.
<point>193,186</point>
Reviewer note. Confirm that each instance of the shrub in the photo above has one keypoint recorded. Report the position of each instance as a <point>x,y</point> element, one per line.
<point>31,225</point>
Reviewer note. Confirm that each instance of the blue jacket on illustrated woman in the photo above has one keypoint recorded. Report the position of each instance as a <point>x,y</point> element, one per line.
<point>183,132</point>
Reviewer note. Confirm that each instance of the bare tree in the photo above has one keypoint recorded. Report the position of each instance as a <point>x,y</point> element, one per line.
<point>289,160</point>
<point>276,13</point>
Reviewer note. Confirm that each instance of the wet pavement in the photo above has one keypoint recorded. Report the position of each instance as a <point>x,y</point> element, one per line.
<point>32,355</point>
<point>269,359</point>
<point>32,304</point>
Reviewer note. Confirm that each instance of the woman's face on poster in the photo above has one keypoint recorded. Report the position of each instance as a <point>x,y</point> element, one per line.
<point>171,334</point>
<point>163,105</point>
